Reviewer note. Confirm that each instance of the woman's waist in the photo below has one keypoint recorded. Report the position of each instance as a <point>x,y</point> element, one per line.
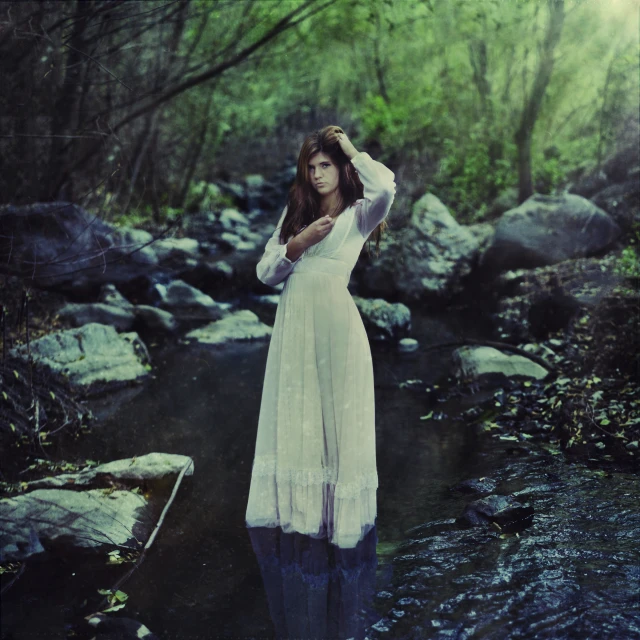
<point>320,264</point>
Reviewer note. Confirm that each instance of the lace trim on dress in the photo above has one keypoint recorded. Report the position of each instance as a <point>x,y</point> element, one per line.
<point>266,466</point>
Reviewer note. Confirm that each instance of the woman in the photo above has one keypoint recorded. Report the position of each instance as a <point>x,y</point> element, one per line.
<point>314,469</point>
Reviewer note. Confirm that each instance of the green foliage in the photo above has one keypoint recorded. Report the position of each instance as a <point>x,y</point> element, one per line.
<point>383,122</point>
<point>468,179</point>
<point>628,264</point>
<point>205,196</point>
<point>548,174</point>
<point>144,214</point>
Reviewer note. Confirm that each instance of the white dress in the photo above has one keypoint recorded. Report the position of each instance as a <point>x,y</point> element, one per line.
<point>314,469</point>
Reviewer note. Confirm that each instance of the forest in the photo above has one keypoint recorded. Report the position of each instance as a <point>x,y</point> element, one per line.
<point>147,149</point>
<point>125,107</point>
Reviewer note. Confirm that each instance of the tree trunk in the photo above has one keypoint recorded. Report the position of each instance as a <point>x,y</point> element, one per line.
<point>197,145</point>
<point>532,105</point>
<point>479,64</point>
<point>66,109</point>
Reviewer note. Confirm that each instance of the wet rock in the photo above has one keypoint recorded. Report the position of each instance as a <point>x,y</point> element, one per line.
<point>208,278</point>
<point>473,362</point>
<point>155,320</point>
<point>427,259</point>
<point>236,191</point>
<point>621,202</point>
<point>35,239</point>
<point>507,512</point>
<point>91,508</point>
<point>483,232</point>
<point>234,241</point>
<point>247,235</point>
<point>232,218</point>
<point>268,300</point>
<point>621,164</point>
<point>546,230</point>
<point>408,344</point>
<point>181,299</point>
<point>241,325</point>
<point>583,282</point>
<point>176,253</point>
<point>475,485</point>
<point>507,199</point>
<point>90,354</point>
<point>391,321</point>
<point>110,295</point>
<point>78,314</point>
<point>590,184</point>
<point>92,518</point>
<point>121,628</point>
<point>139,347</point>
<point>151,466</point>
<point>618,168</point>
<point>552,310</point>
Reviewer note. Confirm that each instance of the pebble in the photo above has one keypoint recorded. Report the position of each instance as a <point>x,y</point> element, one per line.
<point>407,344</point>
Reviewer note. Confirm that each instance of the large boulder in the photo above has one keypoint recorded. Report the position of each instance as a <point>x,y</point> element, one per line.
<point>621,202</point>
<point>61,245</point>
<point>78,314</point>
<point>546,230</point>
<point>183,300</point>
<point>615,170</point>
<point>175,253</point>
<point>426,259</point>
<point>384,320</point>
<point>92,354</point>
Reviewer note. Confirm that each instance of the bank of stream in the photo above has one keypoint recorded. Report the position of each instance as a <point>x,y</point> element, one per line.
<point>572,573</point>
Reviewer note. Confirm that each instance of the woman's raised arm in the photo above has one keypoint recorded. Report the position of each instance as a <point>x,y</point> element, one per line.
<point>378,182</point>
<point>274,266</point>
<point>379,191</point>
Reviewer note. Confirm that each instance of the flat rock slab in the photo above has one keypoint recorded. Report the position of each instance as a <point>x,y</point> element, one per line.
<point>473,362</point>
<point>89,354</point>
<point>241,325</point>
<point>89,519</point>
<point>73,508</point>
<point>151,466</point>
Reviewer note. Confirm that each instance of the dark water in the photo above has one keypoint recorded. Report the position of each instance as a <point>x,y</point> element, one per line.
<point>573,574</point>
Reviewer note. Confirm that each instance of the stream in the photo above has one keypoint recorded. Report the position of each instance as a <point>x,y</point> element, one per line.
<point>574,573</point>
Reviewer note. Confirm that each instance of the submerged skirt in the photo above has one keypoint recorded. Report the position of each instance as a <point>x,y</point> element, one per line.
<point>314,470</point>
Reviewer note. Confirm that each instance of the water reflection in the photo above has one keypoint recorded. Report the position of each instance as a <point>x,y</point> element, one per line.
<point>314,588</point>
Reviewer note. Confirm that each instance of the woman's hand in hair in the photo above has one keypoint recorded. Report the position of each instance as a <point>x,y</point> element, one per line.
<point>345,144</point>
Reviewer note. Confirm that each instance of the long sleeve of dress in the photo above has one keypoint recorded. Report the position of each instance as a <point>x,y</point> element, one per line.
<point>274,266</point>
<point>379,191</point>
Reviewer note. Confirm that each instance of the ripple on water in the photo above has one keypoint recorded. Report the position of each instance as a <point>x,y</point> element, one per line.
<point>573,574</point>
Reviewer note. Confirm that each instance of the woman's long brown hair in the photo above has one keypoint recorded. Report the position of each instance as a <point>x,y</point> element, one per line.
<point>303,204</point>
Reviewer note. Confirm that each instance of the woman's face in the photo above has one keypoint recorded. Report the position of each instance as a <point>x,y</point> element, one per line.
<point>323,174</point>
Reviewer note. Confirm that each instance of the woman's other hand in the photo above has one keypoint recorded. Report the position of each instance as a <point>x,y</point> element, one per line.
<point>310,235</point>
<point>317,230</point>
<point>345,144</point>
